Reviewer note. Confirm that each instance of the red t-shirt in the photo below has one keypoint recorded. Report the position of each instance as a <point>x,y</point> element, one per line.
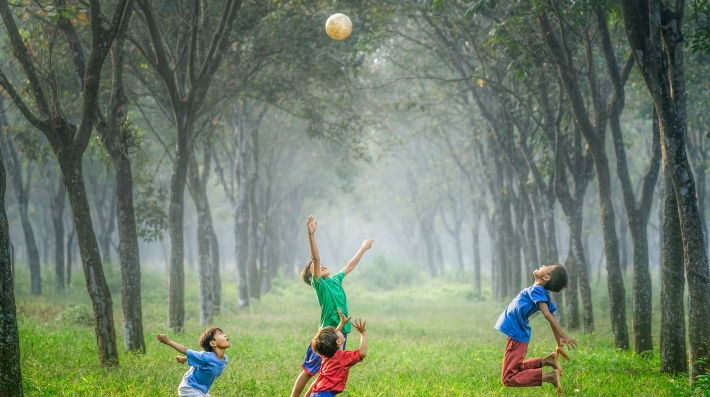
<point>334,371</point>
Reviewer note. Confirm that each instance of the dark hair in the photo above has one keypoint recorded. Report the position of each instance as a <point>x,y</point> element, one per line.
<point>207,337</point>
<point>558,279</point>
<point>306,273</point>
<point>326,342</point>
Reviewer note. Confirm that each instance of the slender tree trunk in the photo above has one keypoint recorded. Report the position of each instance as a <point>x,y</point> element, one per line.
<point>133,339</point>
<point>10,372</point>
<point>22,193</point>
<point>476,252</point>
<point>32,251</point>
<point>216,278</point>
<point>58,220</point>
<point>582,270</point>
<point>198,192</point>
<point>571,293</point>
<point>176,269</point>
<point>674,358</point>
<point>91,259</point>
<point>70,255</point>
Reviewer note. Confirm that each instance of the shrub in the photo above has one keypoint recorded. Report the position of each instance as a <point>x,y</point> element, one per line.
<point>76,315</point>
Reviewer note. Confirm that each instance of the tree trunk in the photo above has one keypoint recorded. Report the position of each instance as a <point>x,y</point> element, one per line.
<point>91,260</point>
<point>21,186</point>
<point>476,252</point>
<point>216,278</point>
<point>674,358</point>
<point>571,293</point>
<point>70,255</point>
<point>176,268</point>
<point>10,372</point>
<point>133,339</point>
<point>58,220</point>
<point>582,270</point>
<point>198,192</point>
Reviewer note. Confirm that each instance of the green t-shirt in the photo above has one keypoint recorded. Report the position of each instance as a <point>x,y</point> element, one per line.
<point>331,296</point>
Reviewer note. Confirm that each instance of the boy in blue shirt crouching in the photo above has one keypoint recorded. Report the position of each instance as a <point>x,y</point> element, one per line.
<point>205,366</point>
<point>518,372</point>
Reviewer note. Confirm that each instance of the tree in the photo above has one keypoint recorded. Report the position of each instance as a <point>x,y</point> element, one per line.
<point>655,37</point>
<point>21,183</point>
<point>10,372</point>
<point>69,143</point>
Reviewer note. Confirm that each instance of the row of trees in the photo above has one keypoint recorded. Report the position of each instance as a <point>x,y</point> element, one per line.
<point>515,98</point>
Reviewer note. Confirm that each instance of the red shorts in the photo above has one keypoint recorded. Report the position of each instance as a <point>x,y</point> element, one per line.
<point>518,372</point>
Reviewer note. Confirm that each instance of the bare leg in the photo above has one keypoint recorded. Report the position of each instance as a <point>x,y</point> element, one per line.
<point>301,382</point>
<point>552,360</point>
<point>554,378</point>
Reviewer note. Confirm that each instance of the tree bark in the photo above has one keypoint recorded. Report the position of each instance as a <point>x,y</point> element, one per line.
<point>70,255</point>
<point>476,252</point>
<point>10,371</point>
<point>197,187</point>
<point>58,221</point>
<point>674,358</point>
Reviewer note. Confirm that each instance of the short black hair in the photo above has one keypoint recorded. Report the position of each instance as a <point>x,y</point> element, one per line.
<point>558,279</point>
<point>207,337</point>
<point>306,273</point>
<point>326,342</point>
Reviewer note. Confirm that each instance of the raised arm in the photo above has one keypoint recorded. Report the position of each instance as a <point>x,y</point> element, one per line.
<point>164,339</point>
<point>560,336</point>
<point>359,325</point>
<point>356,259</point>
<point>314,249</point>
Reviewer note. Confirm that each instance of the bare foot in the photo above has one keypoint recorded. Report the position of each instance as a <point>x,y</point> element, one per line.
<point>553,378</point>
<point>552,360</point>
<point>556,382</point>
<point>180,359</point>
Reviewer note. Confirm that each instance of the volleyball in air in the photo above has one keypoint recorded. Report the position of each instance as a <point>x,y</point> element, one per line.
<point>338,26</point>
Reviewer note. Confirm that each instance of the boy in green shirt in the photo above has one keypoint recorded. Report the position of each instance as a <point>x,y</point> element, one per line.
<point>331,297</point>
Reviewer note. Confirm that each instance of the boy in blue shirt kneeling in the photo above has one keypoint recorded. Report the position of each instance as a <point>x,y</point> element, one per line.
<point>518,372</point>
<point>205,366</point>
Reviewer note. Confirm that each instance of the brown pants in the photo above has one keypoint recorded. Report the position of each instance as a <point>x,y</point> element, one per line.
<point>518,372</point>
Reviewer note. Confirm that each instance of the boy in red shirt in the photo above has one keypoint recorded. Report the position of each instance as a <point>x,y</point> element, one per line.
<point>329,344</point>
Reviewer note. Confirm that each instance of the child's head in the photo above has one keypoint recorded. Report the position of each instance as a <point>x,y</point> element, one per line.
<point>307,272</point>
<point>327,341</point>
<point>552,278</point>
<point>213,338</point>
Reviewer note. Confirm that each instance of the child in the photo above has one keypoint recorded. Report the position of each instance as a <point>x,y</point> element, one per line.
<point>514,323</point>
<point>205,366</point>
<point>329,343</point>
<point>331,296</point>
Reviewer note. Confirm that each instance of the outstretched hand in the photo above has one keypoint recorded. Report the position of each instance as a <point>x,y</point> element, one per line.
<point>311,225</point>
<point>343,320</point>
<point>367,244</point>
<point>359,325</point>
<point>163,338</point>
<point>569,342</point>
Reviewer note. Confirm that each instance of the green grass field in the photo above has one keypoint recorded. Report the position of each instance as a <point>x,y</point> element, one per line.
<point>430,338</point>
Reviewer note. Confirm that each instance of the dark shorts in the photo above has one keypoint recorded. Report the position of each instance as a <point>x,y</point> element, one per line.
<point>311,363</point>
<point>323,394</point>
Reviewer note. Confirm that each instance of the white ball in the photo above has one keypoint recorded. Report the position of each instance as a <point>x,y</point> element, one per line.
<point>338,26</point>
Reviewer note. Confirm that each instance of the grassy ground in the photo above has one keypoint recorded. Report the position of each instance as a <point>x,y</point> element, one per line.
<point>426,339</point>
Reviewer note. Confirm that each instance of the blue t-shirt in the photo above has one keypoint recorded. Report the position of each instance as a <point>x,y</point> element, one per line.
<point>514,319</point>
<point>205,367</point>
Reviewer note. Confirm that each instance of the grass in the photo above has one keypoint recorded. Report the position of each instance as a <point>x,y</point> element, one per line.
<point>429,338</point>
